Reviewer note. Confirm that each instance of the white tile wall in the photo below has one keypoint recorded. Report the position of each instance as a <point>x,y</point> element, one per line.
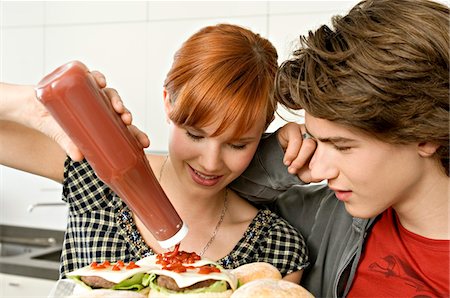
<point>118,50</point>
<point>21,56</point>
<point>132,43</point>
<point>94,12</point>
<point>22,13</point>
<point>179,10</point>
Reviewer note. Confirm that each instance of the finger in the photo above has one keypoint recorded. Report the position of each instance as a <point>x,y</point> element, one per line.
<point>141,137</point>
<point>115,100</point>
<point>305,176</point>
<point>118,106</point>
<point>68,146</point>
<point>99,78</point>
<point>74,153</point>
<point>303,157</point>
<point>127,118</point>
<point>291,137</point>
<point>292,150</point>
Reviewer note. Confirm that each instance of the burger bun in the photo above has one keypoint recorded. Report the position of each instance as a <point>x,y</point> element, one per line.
<point>155,294</point>
<point>270,288</point>
<point>107,293</point>
<point>257,270</point>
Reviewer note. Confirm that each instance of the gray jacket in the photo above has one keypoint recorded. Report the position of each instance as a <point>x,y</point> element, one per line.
<point>334,238</point>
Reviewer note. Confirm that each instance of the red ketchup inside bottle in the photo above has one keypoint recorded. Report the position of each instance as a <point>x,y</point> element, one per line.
<point>71,95</point>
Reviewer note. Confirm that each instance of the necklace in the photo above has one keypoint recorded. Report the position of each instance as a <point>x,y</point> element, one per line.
<point>222,214</point>
<point>216,229</point>
<point>162,168</point>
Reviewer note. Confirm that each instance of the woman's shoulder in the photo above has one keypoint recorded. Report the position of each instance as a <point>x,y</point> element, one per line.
<point>275,222</point>
<point>240,209</point>
<point>155,160</point>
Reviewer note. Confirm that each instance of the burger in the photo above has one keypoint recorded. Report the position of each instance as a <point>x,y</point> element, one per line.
<point>106,278</point>
<point>181,274</point>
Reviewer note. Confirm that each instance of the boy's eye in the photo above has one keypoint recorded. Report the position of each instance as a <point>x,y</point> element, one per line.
<point>342,148</point>
<point>193,136</point>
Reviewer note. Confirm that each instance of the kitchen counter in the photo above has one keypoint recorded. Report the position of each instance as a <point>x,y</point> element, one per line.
<point>30,252</point>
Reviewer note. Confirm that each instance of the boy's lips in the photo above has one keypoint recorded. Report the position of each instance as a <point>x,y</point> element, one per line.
<point>203,179</point>
<point>342,195</point>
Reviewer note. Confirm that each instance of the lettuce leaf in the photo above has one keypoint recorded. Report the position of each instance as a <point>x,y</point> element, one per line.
<point>134,283</point>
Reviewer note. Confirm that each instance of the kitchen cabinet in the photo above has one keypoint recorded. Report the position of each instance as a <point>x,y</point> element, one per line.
<point>21,286</point>
<point>19,191</point>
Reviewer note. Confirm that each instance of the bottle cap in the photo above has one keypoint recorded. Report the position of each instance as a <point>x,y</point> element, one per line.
<point>175,239</point>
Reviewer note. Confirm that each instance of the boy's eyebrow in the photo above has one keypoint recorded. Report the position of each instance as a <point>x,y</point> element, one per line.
<point>308,135</point>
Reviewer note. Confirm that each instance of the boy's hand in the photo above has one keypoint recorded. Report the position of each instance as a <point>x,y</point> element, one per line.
<point>298,150</point>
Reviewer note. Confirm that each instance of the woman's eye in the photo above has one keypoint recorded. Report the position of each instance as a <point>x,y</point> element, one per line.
<point>238,147</point>
<point>192,136</point>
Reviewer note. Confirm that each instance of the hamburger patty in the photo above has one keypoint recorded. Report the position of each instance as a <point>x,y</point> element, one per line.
<point>97,282</point>
<point>170,284</point>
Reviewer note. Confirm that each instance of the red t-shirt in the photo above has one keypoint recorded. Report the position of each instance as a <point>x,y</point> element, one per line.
<point>398,263</point>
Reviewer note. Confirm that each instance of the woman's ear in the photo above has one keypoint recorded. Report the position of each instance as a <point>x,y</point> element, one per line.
<point>167,103</point>
<point>427,149</point>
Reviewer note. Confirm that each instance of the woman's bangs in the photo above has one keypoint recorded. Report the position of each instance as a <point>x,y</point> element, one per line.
<point>234,111</point>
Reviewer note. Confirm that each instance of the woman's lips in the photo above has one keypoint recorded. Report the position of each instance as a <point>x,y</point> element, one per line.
<point>203,179</point>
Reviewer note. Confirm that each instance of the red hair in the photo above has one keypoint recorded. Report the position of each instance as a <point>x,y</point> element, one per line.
<point>223,71</point>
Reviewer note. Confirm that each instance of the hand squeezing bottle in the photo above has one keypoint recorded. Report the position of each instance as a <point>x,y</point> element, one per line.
<point>81,108</point>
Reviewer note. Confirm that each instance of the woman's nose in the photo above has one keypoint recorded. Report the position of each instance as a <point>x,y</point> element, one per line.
<point>322,166</point>
<point>211,159</point>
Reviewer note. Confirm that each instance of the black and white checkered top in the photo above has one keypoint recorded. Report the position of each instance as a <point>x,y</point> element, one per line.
<point>101,227</point>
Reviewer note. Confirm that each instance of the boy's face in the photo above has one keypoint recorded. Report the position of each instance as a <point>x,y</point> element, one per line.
<point>368,175</point>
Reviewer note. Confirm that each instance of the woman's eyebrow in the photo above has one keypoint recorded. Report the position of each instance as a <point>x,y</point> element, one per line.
<point>246,139</point>
<point>196,129</point>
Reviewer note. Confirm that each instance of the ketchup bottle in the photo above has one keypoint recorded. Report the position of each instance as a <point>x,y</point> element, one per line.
<point>70,93</point>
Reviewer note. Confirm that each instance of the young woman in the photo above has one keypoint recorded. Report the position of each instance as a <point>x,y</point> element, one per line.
<point>375,90</point>
<point>218,98</point>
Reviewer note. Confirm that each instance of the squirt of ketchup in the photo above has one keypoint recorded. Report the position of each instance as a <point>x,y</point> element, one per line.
<point>177,261</point>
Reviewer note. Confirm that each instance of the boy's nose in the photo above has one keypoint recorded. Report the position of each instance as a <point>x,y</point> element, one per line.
<point>322,166</point>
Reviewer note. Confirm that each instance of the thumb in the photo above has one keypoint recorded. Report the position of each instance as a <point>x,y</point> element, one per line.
<point>60,137</point>
<point>73,152</point>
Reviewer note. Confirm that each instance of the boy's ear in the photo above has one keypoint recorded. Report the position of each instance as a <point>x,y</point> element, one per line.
<point>427,149</point>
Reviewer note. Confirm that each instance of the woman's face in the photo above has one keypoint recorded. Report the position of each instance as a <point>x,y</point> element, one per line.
<point>368,175</point>
<point>206,163</point>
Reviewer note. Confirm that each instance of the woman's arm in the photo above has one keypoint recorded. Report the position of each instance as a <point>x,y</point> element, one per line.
<point>31,139</point>
<point>24,147</point>
<point>294,277</point>
<point>31,151</point>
